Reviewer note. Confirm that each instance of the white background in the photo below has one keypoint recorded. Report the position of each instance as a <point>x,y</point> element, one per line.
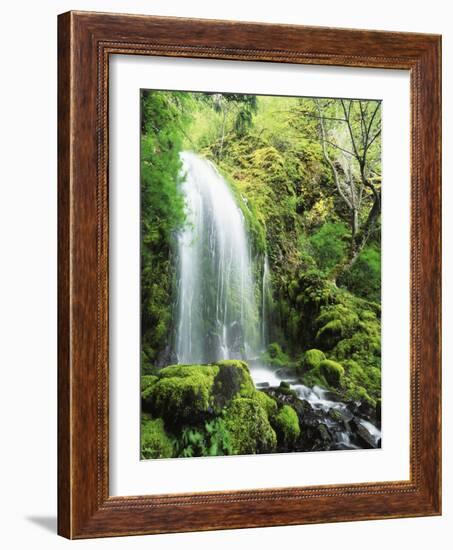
<point>130,476</point>
<point>28,271</point>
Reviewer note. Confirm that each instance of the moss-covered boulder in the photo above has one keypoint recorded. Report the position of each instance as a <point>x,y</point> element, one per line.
<point>249,427</point>
<point>361,383</point>
<point>182,394</point>
<point>286,424</point>
<point>146,383</point>
<point>233,377</point>
<point>332,371</point>
<point>266,402</point>
<point>311,359</point>
<point>155,441</point>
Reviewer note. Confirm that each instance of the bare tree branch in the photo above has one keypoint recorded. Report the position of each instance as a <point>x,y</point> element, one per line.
<point>328,159</point>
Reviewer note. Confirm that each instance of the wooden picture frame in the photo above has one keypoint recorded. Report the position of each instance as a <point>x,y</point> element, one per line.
<point>85,42</point>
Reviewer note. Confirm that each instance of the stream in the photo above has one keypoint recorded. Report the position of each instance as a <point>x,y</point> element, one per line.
<point>347,425</point>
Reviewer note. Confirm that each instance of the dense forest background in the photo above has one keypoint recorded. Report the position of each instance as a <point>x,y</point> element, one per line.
<point>306,173</point>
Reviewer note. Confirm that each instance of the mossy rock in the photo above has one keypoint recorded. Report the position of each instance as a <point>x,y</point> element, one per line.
<point>183,392</point>
<point>360,395</point>
<point>364,347</point>
<point>330,333</point>
<point>146,383</point>
<point>362,382</point>
<point>311,359</point>
<point>155,442</point>
<point>274,350</point>
<point>191,393</point>
<point>249,427</point>
<point>347,314</point>
<point>314,377</point>
<point>232,378</point>
<point>332,371</point>
<point>286,424</point>
<point>275,356</point>
<point>266,402</point>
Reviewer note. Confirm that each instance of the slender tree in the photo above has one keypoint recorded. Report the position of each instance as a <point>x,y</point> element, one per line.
<point>349,132</point>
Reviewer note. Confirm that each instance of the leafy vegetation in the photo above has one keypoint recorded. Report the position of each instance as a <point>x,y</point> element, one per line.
<point>306,174</point>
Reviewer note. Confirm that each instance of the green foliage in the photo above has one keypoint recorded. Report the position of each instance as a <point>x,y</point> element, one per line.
<point>329,244</point>
<point>364,278</point>
<point>212,439</point>
<point>286,424</point>
<point>155,442</point>
<point>162,213</point>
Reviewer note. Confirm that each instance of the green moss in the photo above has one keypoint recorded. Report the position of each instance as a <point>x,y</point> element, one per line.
<point>355,372</point>
<point>335,415</point>
<point>249,428</point>
<point>362,383</point>
<point>332,371</point>
<point>275,356</point>
<point>338,311</point>
<point>364,346</point>
<point>286,424</point>
<point>155,442</point>
<point>146,383</point>
<point>311,358</point>
<point>359,394</point>
<point>233,377</point>
<point>329,334</point>
<point>183,392</point>
<point>314,377</point>
<point>266,402</point>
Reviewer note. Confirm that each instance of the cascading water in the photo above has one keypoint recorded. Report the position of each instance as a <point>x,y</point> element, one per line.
<point>217,314</point>
<point>265,299</point>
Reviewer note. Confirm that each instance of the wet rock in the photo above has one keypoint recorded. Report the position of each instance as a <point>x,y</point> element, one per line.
<point>378,414</point>
<point>288,373</point>
<point>227,383</point>
<point>365,439</point>
<point>166,357</point>
<point>366,410</point>
<point>283,394</point>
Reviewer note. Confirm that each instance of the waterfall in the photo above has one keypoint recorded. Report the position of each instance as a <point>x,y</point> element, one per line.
<point>265,298</point>
<point>216,311</point>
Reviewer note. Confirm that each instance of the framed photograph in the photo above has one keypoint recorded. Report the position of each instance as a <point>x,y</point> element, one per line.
<point>249,275</point>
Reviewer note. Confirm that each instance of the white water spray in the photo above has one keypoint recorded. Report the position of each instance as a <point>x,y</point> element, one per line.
<point>217,315</point>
